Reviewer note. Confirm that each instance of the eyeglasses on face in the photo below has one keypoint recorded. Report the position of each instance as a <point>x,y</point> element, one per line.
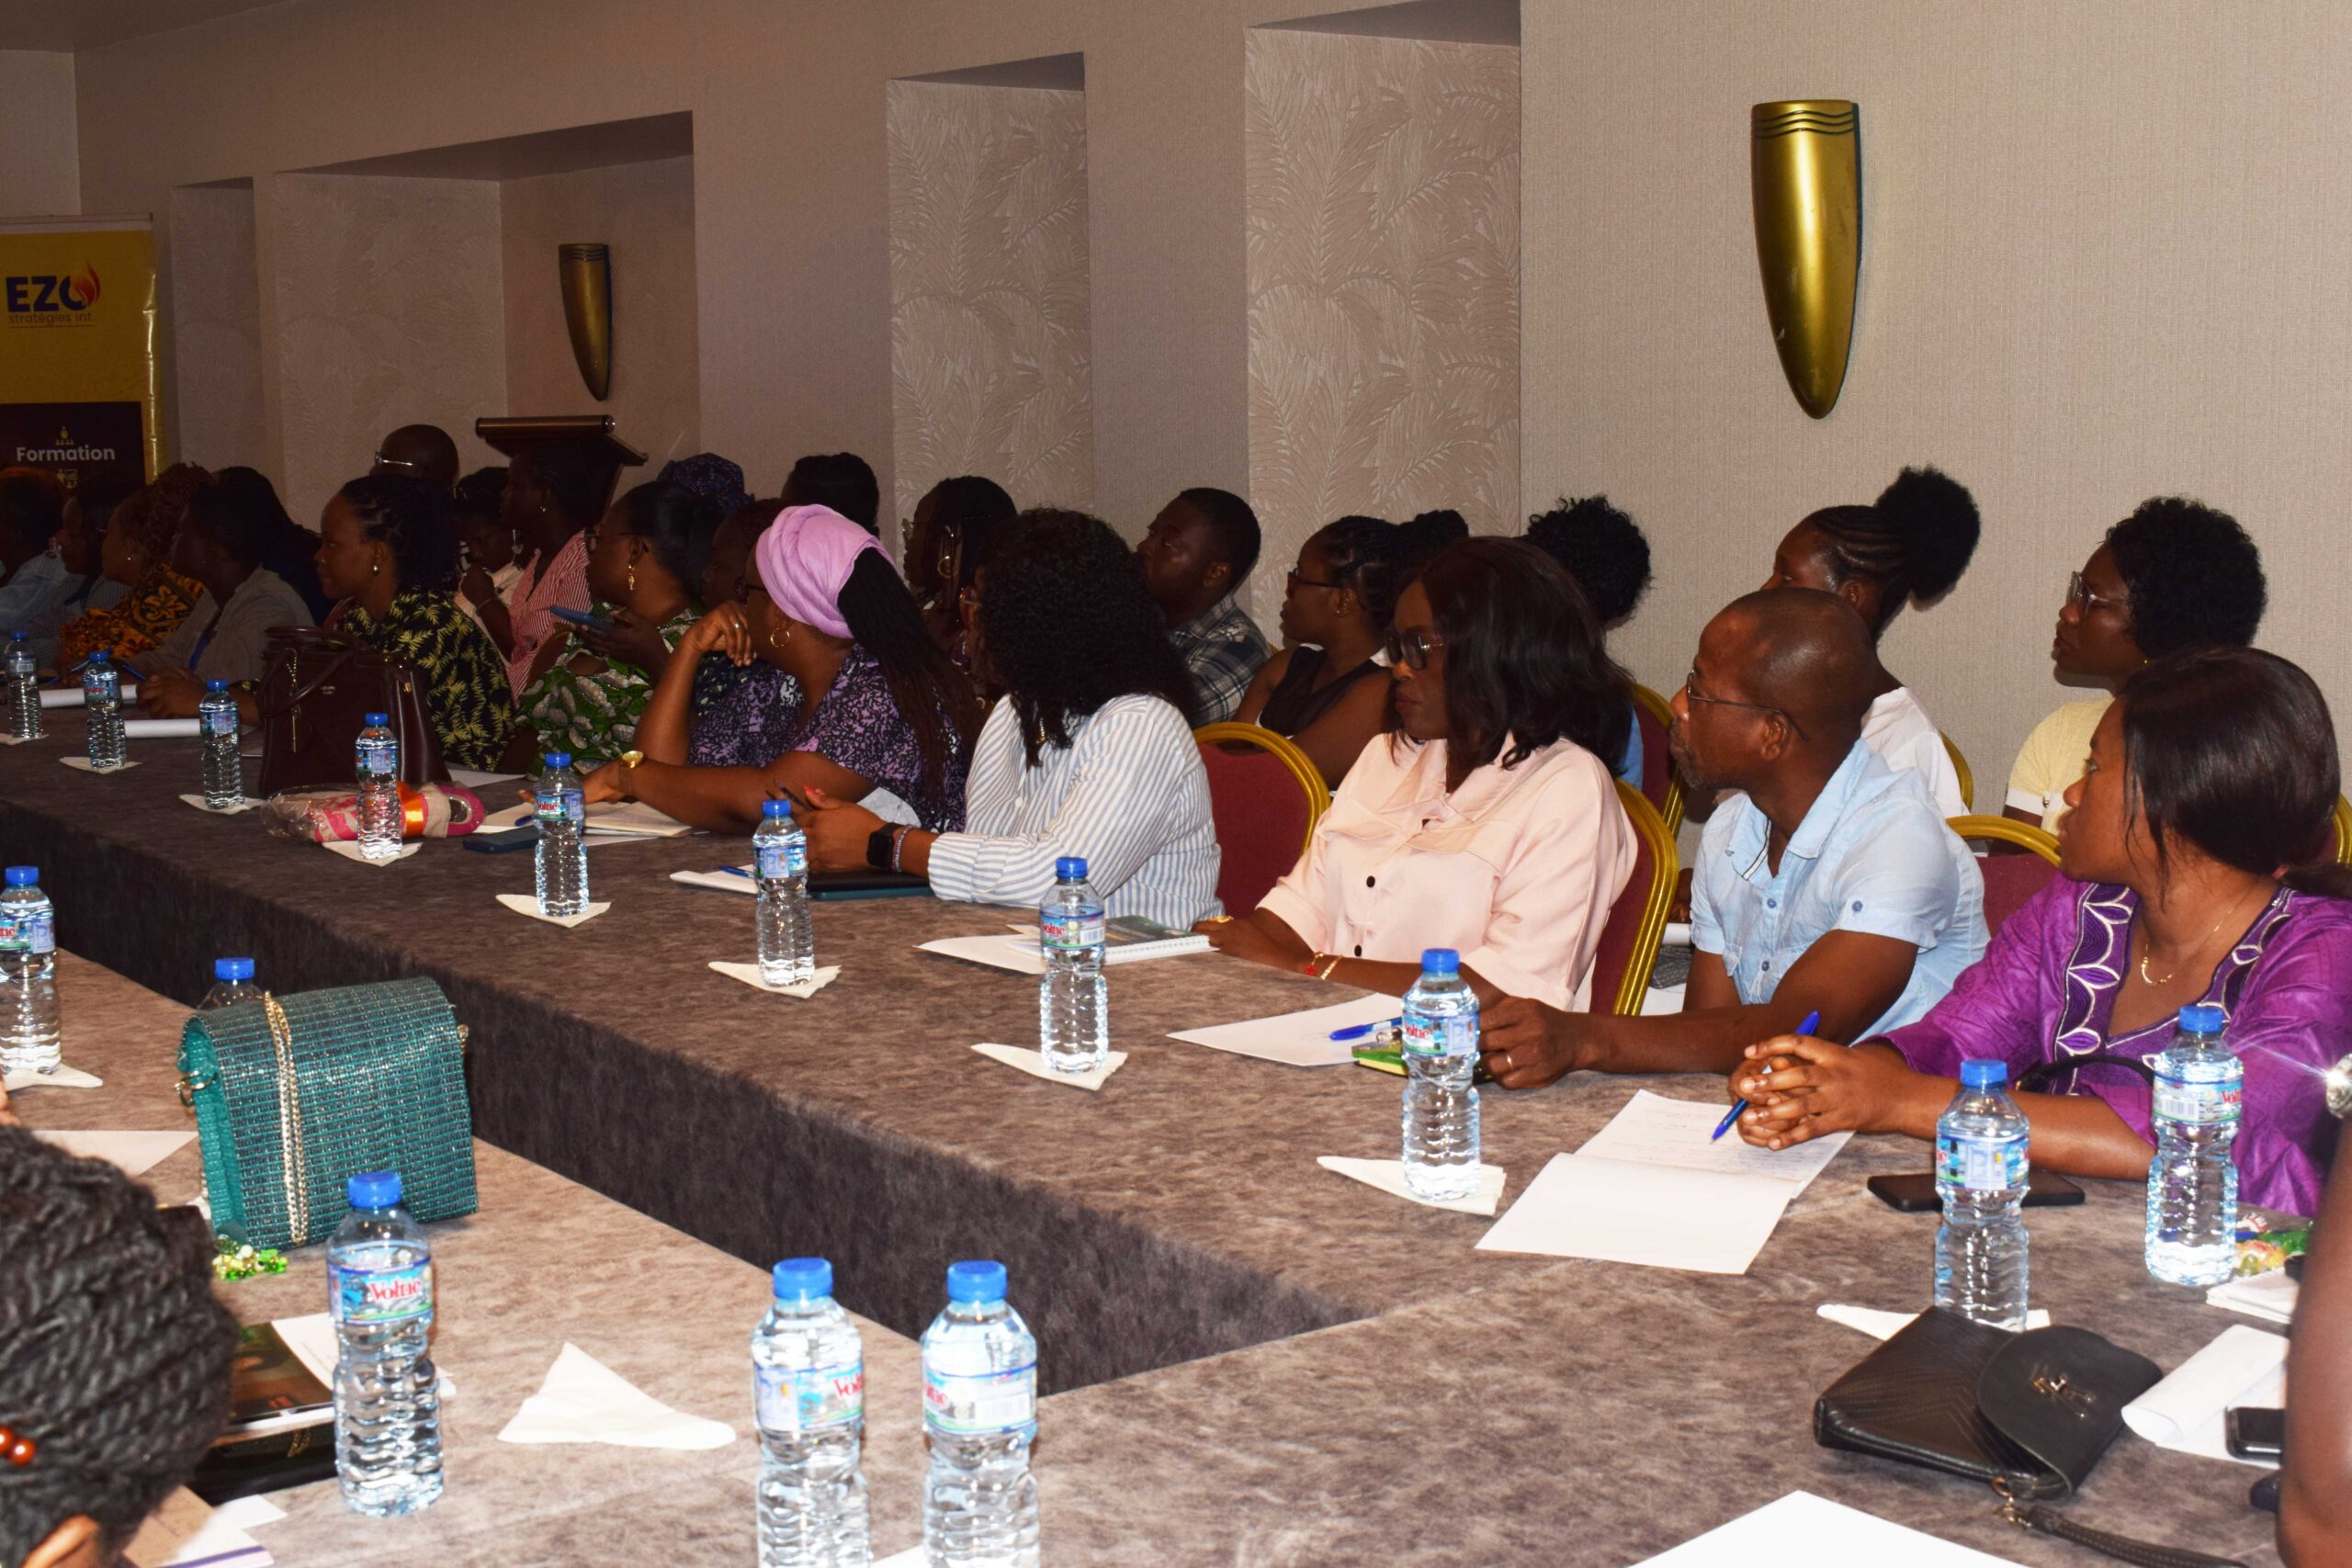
<point>1690,692</point>
<point>2079,595</point>
<point>1411,649</point>
<point>1300,580</point>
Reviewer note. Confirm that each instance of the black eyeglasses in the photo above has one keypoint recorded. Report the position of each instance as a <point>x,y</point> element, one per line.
<point>1411,649</point>
<point>1300,580</point>
<point>1690,692</point>
<point>2078,592</point>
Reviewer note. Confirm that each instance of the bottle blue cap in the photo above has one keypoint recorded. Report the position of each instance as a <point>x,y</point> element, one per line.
<point>558,759</point>
<point>1070,868</point>
<point>216,685</point>
<point>978,1281</point>
<point>374,1189</point>
<point>2203,1018</point>
<point>1982,1074</point>
<point>802,1278</point>
<point>1440,961</point>
<point>100,657</point>
<point>233,968</point>
<point>23,875</point>
<point>775,809</point>
<point>15,636</point>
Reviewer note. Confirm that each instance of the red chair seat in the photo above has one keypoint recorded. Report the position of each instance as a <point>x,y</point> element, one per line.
<point>1261,817</point>
<point>2009,881</point>
<point>1621,934</point>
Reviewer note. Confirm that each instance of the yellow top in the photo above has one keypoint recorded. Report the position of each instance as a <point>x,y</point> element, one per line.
<point>2054,756</point>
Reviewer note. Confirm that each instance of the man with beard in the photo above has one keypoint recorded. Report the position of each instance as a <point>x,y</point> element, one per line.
<point>1827,884</point>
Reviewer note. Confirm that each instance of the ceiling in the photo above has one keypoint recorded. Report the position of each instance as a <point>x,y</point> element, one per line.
<point>67,26</point>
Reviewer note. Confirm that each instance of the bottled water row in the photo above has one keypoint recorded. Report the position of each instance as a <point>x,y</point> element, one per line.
<point>24,690</point>
<point>29,1020</point>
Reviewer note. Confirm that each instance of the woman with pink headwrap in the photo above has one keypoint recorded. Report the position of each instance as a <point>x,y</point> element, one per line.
<point>884,717</point>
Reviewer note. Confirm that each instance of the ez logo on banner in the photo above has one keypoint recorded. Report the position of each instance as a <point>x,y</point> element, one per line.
<point>47,294</point>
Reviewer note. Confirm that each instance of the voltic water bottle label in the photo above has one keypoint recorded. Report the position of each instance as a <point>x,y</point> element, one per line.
<point>379,758</point>
<point>555,806</point>
<point>220,721</point>
<point>1424,1036</point>
<point>100,684</point>
<point>28,934</point>
<point>1983,1164</point>
<point>808,1399</point>
<point>380,1295</point>
<point>779,860</point>
<point>1068,927</point>
<point>975,1407</point>
<point>2216,1103</point>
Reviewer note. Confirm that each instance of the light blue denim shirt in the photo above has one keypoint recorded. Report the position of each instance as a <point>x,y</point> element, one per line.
<point>28,603</point>
<point>1872,855</point>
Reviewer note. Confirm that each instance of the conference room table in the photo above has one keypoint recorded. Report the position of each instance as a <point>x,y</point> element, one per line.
<point>1247,1359</point>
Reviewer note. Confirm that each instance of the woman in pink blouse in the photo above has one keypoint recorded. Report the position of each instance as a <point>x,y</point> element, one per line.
<point>554,491</point>
<point>1487,823</point>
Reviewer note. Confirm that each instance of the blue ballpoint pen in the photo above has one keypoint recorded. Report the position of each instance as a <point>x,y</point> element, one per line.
<point>1812,1022</point>
<point>1358,1030</point>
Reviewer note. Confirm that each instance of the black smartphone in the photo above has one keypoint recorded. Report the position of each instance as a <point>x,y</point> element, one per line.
<point>580,618</point>
<point>2255,1431</point>
<point>1917,1194</point>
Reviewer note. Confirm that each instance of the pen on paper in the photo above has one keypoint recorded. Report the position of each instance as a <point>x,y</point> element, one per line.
<point>1812,1022</point>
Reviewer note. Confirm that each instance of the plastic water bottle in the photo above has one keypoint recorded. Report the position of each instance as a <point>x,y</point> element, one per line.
<point>979,1411</point>
<point>102,710</point>
<point>233,982</point>
<point>562,856</point>
<point>24,688</point>
<point>808,1381</point>
<point>2192,1182</point>
<point>29,968</point>
<point>1980,1176</point>
<point>1073,1012</point>
<point>1439,1045</point>
<point>780,855</point>
<point>387,1394</point>
<point>378,757</point>
<point>224,773</point>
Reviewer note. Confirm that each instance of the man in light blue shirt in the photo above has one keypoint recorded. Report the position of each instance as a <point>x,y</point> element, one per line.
<point>1828,884</point>
<point>33,581</point>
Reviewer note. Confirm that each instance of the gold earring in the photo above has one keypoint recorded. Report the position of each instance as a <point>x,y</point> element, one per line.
<point>632,577</point>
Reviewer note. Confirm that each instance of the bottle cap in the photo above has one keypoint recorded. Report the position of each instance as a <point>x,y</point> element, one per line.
<point>374,1189</point>
<point>233,968</point>
<point>978,1281</point>
<point>1982,1074</point>
<point>559,760</point>
<point>775,809</point>
<point>1440,961</point>
<point>216,685</point>
<point>1070,868</point>
<point>802,1278</point>
<point>100,657</point>
<point>23,875</point>
<point>374,719</point>
<point>15,636</point>
<point>2202,1018</point>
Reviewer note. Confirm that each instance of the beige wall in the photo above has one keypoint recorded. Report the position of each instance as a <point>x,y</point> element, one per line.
<point>40,158</point>
<point>646,213</point>
<point>215,317</point>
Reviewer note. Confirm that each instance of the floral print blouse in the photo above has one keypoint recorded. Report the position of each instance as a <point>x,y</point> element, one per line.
<point>594,717</point>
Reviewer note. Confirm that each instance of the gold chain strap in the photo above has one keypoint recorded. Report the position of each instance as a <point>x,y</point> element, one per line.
<point>294,1166</point>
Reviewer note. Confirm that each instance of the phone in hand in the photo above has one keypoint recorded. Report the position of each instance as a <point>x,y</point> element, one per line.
<point>580,618</point>
<point>2255,1431</point>
<point>1917,1194</point>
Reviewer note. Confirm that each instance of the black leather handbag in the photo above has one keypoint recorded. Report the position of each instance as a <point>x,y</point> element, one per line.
<point>2027,1414</point>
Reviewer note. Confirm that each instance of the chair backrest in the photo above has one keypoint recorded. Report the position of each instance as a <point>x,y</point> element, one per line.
<point>1627,951</point>
<point>2343,832</point>
<point>1660,787</point>
<point>1265,795</point>
<point>1960,766</point>
<point>2010,879</point>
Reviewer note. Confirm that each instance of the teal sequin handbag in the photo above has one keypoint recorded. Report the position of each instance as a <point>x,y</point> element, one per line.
<point>294,1096</point>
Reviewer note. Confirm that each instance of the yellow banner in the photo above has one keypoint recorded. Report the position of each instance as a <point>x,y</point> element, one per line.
<point>78,348</point>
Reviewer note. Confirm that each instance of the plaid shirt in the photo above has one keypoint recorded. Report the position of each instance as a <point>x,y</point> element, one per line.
<point>1223,648</point>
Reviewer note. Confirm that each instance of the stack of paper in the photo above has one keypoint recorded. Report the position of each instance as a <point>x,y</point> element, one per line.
<point>1651,1188</point>
<point>1297,1039</point>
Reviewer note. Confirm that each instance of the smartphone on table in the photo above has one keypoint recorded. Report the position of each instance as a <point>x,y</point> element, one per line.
<point>2255,1432</point>
<point>1917,1194</point>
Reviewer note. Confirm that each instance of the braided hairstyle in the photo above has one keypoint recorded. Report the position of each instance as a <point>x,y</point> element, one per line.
<point>413,518</point>
<point>114,1354</point>
<point>1367,554</point>
<point>1913,541</point>
<point>1421,538</point>
<point>935,697</point>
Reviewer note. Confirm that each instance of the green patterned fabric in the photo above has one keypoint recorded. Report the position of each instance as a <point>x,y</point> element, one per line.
<point>594,717</point>
<point>466,693</point>
<point>378,1085</point>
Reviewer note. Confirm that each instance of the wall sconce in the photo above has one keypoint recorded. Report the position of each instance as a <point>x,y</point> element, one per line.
<point>586,274</point>
<point>1805,168</point>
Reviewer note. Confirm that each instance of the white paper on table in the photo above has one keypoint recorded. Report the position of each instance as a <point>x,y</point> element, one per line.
<point>1662,1001</point>
<point>160,728</point>
<point>248,1513</point>
<point>135,1152</point>
<point>584,1400</point>
<point>719,881</point>
<point>1031,1060</point>
<point>349,850</point>
<point>476,780</point>
<point>311,1339</point>
<point>524,904</point>
<point>608,818</point>
<point>1623,1211</point>
<point>1818,1533</point>
<point>749,974</point>
<point>1299,1039</point>
<point>996,950</point>
<point>82,765</point>
<point>2241,1365</point>
<point>1655,1129</point>
<point>2270,1297</point>
<point>1888,1324</point>
<point>245,803</point>
<point>913,1557</point>
<point>63,1078</point>
<point>183,1532</point>
<point>72,696</point>
<point>1388,1175</point>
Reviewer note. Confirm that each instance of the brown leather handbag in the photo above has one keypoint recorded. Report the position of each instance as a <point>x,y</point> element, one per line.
<point>314,699</point>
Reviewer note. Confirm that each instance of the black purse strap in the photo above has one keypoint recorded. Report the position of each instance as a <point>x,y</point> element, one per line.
<point>2044,1074</point>
<point>2042,1519</point>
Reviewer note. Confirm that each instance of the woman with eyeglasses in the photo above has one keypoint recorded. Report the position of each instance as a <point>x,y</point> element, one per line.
<point>2176,574</point>
<point>1327,689</point>
<point>942,545</point>
<point>1488,823</point>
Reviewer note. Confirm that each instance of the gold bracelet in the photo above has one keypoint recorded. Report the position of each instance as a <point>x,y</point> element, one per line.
<point>1325,962</point>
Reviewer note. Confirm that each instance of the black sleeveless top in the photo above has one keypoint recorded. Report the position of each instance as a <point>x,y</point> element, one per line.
<point>1295,704</point>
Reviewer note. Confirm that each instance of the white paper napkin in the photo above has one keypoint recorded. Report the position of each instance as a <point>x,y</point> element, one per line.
<point>749,974</point>
<point>2241,1365</point>
<point>349,850</point>
<point>1888,1324</point>
<point>2270,1297</point>
<point>64,1077</point>
<point>1388,1175</point>
<point>83,763</point>
<point>248,804</point>
<point>524,904</point>
<point>584,1400</point>
<point>1034,1063</point>
<point>134,1153</point>
<point>13,739</point>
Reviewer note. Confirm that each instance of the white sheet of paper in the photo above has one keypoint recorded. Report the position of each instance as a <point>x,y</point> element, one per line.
<point>1656,1130</point>
<point>584,1400</point>
<point>1388,1175</point>
<point>63,1078</point>
<point>629,818</point>
<point>1030,1060</point>
<point>2185,1412</point>
<point>719,881</point>
<point>996,951</point>
<point>2270,1297</point>
<point>1881,1325</point>
<point>197,801</point>
<point>312,1338</point>
<point>524,904</point>
<point>136,1152</point>
<point>1801,1529</point>
<point>183,1532</point>
<point>1623,1211</point>
<point>1297,1039</point>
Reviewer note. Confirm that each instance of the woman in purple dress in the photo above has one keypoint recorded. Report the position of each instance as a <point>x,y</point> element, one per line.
<point>2197,866</point>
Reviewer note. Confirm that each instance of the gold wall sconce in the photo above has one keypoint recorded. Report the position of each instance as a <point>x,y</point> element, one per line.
<point>1805,168</point>
<point>586,272</point>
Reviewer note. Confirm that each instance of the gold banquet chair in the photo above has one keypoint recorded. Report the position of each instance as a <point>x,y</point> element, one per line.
<point>1627,951</point>
<point>2010,879</point>
<point>1265,796</point>
<point>1960,766</point>
<point>1661,786</point>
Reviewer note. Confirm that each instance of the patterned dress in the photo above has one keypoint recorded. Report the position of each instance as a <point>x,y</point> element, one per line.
<point>151,612</point>
<point>594,717</point>
<point>744,716</point>
<point>466,694</point>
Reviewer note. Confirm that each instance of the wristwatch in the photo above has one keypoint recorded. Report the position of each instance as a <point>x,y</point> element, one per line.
<point>630,759</point>
<point>877,847</point>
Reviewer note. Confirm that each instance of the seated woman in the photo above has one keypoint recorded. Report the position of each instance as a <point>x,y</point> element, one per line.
<point>387,551</point>
<point>1089,753</point>
<point>228,530</point>
<point>743,714</point>
<point>1910,543</point>
<point>555,492</point>
<point>1602,550</point>
<point>486,547</point>
<point>2211,771</point>
<point>138,554</point>
<point>1326,690</point>
<point>80,547</point>
<point>944,543</point>
<point>882,712</point>
<point>1489,824</point>
<point>589,703</point>
<point>2174,575</point>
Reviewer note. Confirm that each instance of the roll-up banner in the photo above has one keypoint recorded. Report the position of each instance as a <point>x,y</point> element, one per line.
<point>78,377</point>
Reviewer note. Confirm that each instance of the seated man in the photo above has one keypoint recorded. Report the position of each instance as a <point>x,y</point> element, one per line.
<point>418,452</point>
<point>1196,557</point>
<point>1827,884</point>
